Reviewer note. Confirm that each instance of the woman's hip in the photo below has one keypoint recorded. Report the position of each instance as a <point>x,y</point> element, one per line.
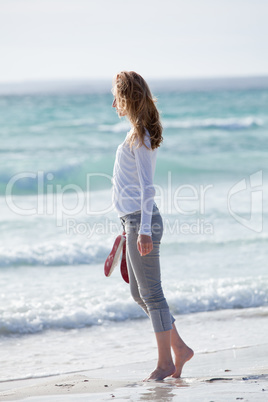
<point>131,224</point>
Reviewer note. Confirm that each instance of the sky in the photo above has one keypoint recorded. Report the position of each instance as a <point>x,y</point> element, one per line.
<point>87,39</point>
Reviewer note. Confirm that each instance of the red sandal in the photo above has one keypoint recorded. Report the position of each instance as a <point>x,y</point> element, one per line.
<point>123,266</point>
<point>113,258</point>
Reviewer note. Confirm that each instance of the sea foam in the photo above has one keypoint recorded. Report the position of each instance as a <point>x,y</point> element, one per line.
<point>56,254</point>
<point>232,123</point>
<point>79,308</point>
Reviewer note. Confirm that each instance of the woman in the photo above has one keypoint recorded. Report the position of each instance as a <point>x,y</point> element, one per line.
<point>133,197</point>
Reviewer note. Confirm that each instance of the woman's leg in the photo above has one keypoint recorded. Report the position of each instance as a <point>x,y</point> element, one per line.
<point>147,274</point>
<point>134,289</point>
<point>165,366</point>
<point>146,289</point>
<point>182,352</point>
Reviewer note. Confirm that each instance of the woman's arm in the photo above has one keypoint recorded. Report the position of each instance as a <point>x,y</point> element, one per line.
<point>144,162</point>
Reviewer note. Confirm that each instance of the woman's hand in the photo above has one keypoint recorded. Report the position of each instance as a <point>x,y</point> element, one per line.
<point>145,244</point>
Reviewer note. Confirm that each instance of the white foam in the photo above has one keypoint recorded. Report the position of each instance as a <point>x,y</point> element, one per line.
<point>232,123</point>
<point>123,126</point>
<point>53,254</point>
<point>46,304</point>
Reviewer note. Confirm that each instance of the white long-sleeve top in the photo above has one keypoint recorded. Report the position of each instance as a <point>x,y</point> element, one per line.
<point>133,175</point>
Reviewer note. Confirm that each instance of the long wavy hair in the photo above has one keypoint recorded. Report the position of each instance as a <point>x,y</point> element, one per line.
<point>135,99</point>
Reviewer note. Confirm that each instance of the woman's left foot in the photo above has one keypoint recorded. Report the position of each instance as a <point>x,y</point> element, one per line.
<point>183,355</point>
<point>160,373</point>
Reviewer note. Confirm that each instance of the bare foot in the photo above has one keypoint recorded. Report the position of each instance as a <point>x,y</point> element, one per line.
<point>182,355</point>
<point>160,373</point>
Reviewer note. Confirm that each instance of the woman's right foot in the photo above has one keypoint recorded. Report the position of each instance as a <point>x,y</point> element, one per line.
<point>160,373</point>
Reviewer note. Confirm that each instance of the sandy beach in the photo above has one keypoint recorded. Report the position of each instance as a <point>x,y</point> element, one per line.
<point>238,373</point>
<point>223,376</point>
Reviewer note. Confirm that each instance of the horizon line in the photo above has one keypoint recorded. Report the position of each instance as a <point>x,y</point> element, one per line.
<point>152,78</point>
<point>103,85</point>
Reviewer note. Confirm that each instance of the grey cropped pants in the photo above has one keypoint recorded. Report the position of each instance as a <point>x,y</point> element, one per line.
<point>144,271</point>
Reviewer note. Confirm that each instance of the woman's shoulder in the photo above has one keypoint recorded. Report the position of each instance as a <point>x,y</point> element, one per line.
<point>147,139</point>
<point>136,144</point>
<point>147,134</point>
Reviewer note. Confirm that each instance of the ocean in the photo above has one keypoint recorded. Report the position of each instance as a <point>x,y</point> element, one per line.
<point>58,312</point>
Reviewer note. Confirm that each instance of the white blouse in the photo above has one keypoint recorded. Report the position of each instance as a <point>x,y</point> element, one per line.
<point>132,180</point>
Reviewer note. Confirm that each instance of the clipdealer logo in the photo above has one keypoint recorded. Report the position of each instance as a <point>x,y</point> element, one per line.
<point>50,199</point>
<point>255,186</point>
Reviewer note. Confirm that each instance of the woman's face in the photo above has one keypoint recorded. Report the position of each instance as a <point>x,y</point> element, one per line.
<point>115,104</point>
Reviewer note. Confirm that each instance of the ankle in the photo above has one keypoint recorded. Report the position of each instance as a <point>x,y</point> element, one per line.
<point>179,346</point>
<point>165,364</point>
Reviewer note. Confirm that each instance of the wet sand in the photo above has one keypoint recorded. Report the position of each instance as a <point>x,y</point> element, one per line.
<point>226,375</point>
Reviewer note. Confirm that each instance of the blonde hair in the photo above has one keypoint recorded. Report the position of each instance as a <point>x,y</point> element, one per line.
<point>135,99</point>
